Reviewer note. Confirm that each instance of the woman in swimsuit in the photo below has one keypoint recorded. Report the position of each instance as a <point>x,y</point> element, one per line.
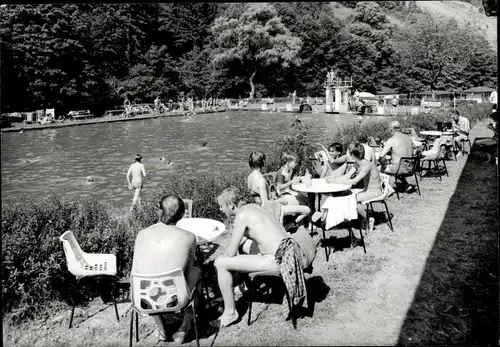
<point>366,172</point>
<point>259,188</point>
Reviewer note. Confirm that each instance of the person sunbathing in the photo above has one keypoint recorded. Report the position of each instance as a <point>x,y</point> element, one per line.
<point>284,182</point>
<point>366,172</point>
<point>266,243</point>
<point>399,145</point>
<point>260,189</point>
<point>163,247</point>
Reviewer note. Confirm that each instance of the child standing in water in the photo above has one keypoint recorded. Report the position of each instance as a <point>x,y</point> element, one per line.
<point>136,171</point>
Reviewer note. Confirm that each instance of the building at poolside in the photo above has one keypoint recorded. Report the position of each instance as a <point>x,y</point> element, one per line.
<point>480,94</point>
<point>444,96</point>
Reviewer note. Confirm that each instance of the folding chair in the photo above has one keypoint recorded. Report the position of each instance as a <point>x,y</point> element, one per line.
<point>407,167</point>
<point>82,265</point>
<point>161,294</point>
<point>308,247</point>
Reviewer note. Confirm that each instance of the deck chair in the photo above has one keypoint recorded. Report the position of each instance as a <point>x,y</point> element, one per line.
<point>161,294</point>
<point>83,265</point>
<point>408,166</point>
<point>380,199</point>
<point>308,246</point>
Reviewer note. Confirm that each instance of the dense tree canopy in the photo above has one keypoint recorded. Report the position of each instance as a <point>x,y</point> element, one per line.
<point>73,56</point>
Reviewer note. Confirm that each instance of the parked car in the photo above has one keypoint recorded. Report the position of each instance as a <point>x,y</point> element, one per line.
<point>80,114</point>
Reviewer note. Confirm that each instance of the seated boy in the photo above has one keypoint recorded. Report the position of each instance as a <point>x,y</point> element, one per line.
<point>163,247</point>
<point>270,244</point>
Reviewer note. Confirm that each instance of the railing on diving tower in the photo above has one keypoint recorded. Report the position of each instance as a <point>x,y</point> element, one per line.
<point>338,82</point>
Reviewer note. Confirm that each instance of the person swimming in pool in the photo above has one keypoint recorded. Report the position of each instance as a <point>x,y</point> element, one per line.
<point>136,171</point>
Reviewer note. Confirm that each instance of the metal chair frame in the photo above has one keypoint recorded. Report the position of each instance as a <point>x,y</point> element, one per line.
<point>413,172</point>
<point>436,161</point>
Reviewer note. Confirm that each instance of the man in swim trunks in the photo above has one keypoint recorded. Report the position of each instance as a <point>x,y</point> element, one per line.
<point>134,179</point>
<point>399,145</point>
<point>163,247</point>
<point>258,233</point>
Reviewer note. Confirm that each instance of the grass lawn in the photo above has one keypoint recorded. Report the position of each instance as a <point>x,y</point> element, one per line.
<point>434,280</point>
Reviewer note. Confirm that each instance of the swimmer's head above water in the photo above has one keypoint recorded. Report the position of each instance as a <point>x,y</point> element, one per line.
<point>138,158</point>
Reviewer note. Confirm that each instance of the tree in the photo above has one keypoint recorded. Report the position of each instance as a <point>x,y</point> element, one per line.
<point>439,52</point>
<point>366,41</point>
<point>318,28</point>
<point>255,39</point>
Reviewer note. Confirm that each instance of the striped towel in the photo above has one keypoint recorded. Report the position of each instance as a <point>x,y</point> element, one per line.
<point>292,260</point>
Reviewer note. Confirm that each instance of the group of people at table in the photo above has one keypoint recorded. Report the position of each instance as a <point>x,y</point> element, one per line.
<point>259,241</point>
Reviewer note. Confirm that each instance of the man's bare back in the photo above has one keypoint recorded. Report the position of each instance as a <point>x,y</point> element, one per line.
<point>136,170</point>
<point>399,145</point>
<point>162,248</point>
<point>261,227</point>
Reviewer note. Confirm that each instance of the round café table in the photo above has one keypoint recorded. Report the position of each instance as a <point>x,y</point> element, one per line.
<point>320,186</point>
<point>205,230</point>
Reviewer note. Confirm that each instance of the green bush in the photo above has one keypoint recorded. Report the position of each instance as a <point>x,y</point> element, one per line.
<point>34,268</point>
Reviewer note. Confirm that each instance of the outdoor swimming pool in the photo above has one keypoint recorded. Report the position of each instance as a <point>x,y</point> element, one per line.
<point>37,162</point>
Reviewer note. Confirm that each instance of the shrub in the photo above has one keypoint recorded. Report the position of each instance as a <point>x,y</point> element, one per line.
<point>34,270</point>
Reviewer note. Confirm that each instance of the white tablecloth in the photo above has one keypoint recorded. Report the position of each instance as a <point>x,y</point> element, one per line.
<point>340,209</point>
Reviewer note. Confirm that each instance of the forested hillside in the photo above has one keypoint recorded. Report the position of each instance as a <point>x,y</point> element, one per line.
<point>72,56</point>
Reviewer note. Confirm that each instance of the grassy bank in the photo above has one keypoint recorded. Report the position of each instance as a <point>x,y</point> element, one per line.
<point>34,270</point>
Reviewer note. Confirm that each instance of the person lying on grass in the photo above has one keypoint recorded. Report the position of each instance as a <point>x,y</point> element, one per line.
<point>163,247</point>
<point>366,172</point>
<point>260,190</point>
<point>267,246</point>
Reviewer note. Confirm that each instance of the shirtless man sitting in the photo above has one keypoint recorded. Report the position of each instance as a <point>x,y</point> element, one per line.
<point>260,234</point>
<point>163,247</point>
<point>136,171</point>
<point>399,145</point>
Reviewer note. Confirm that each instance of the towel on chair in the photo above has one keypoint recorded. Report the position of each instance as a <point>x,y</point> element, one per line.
<point>291,259</point>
